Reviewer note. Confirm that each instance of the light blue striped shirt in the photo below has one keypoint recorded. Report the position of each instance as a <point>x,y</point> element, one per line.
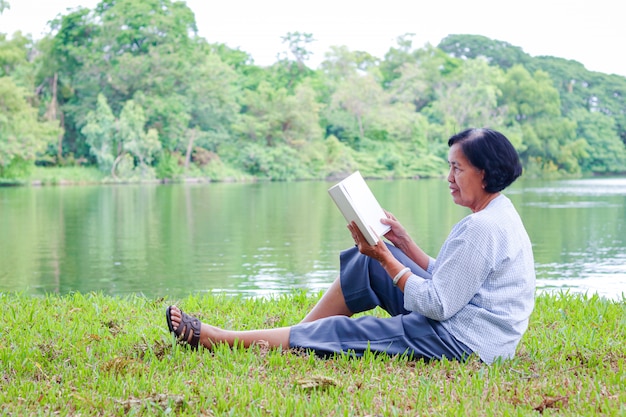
<point>482,284</point>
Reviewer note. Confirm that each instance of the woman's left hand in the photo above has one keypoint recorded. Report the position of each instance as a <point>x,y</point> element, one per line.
<point>380,251</point>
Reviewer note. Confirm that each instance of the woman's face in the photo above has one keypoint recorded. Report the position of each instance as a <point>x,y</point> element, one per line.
<point>466,181</point>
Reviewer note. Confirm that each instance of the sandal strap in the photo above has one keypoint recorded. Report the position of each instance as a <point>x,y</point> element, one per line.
<point>188,326</point>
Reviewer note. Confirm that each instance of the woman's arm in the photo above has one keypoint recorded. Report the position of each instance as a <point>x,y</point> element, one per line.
<point>401,239</point>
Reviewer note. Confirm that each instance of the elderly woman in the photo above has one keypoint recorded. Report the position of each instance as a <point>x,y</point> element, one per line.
<point>474,298</point>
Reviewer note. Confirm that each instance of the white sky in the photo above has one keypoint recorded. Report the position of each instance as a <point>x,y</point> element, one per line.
<point>591,32</point>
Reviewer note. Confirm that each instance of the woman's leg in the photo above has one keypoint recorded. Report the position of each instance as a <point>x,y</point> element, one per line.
<point>365,283</point>
<point>405,334</point>
<point>367,286</point>
<point>211,335</point>
<point>332,303</point>
<point>410,334</point>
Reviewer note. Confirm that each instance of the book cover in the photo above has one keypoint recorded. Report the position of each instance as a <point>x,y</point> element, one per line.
<point>357,203</point>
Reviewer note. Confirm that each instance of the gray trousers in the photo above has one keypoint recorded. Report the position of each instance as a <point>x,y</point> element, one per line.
<point>366,285</point>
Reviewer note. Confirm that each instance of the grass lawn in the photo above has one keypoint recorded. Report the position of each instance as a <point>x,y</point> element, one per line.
<point>90,354</point>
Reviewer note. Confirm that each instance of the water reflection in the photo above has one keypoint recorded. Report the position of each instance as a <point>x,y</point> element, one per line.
<point>581,245</point>
<point>262,239</point>
<point>592,186</point>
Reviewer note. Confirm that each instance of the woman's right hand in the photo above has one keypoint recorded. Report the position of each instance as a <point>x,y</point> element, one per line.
<point>399,237</point>
<point>398,234</point>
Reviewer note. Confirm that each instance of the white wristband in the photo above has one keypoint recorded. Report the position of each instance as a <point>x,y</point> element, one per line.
<point>400,275</point>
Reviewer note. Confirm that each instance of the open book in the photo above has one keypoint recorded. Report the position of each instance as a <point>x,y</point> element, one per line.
<point>357,203</point>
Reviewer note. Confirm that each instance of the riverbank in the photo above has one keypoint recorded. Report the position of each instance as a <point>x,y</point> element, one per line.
<point>89,354</point>
<point>83,175</point>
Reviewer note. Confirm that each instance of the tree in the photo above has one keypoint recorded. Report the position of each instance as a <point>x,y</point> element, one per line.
<point>207,102</point>
<point>275,117</point>
<point>13,53</point>
<point>291,67</point>
<point>529,97</point>
<point>559,145</point>
<point>419,81</point>
<point>297,42</point>
<point>100,134</point>
<point>64,76</point>
<point>135,27</point>
<point>398,57</point>
<point>23,138</point>
<point>359,96</point>
<point>570,78</point>
<point>469,96</point>
<point>111,140</point>
<point>606,152</point>
<point>341,63</point>
<point>498,53</point>
<point>549,140</point>
<point>144,146</point>
<point>120,49</point>
<point>608,96</point>
<point>277,133</point>
<point>212,103</point>
<point>583,89</point>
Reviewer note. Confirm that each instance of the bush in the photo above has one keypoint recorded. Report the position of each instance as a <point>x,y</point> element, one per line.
<point>169,166</point>
<point>18,169</point>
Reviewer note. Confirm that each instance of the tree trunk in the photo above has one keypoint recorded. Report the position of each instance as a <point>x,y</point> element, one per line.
<point>117,161</point>
<point>60,142</point>
<point>51,114</point>
<point>192,138</point>
<point>361,130</point>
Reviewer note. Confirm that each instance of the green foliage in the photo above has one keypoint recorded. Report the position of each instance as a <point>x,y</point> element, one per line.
<point>13,53</point>
<point>397,57</point>
<point>17,169</point>
<point>100,134</point>
<point>276,117</point>
<point>498,53</point>
<point>22,136</point>
<point>169,166</point>
<point>475,83</point>
<point>144,146</point>
<point>548,139</point>
<point>339,160</point>
<point>582,89</point>
<point>605,151</point>
<point>272,163</point>
<point>169,92</point>
<point>291,69</point>
<point>578,90</point>
<point>529,97</point>
<point>357,100</point>
<point>115,142</point>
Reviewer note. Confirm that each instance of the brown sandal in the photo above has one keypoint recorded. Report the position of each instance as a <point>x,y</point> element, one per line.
<point>188,324</point>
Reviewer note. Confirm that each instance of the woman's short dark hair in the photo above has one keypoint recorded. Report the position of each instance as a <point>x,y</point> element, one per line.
<point>491,152</point>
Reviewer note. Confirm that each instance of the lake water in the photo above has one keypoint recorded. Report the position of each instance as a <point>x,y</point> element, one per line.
<point>269,238</point>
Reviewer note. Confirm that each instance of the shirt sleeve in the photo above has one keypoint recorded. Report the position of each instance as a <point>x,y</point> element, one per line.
<point>431,265</point>
<point>457,275</point>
